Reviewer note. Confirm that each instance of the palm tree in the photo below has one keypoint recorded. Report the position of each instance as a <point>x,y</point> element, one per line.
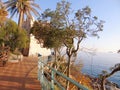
<point>24,8</point>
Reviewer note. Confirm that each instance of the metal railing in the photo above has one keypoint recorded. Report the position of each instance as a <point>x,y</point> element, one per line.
<point>50,84</point>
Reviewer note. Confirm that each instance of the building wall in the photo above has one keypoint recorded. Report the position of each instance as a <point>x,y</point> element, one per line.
<point>35,48</point>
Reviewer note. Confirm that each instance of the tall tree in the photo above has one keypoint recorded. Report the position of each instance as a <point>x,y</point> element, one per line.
<point>23,8</point>
<point>75,28</point>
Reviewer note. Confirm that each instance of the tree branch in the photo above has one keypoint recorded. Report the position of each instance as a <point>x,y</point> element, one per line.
<point>114,71</point>
<point>78,45</point>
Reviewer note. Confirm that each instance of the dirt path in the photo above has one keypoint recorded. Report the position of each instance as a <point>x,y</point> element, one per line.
<point>20,76</point>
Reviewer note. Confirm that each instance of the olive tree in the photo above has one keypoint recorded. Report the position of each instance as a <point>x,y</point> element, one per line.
<point>82,25</point>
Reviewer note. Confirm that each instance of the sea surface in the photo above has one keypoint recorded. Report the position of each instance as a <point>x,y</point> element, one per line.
<point>94,63</point>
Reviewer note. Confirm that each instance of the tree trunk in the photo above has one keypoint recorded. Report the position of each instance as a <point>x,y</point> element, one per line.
<point>55,55</point>
<point>55,62</point>
<point>20,21</point>
<point>25,51</point>
<point>68,73</point>
<point>116,69</point>
<point>3,44</point>
<point>103,84</point>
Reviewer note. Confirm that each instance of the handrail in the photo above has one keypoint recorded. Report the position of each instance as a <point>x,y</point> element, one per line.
<point>79,86</point>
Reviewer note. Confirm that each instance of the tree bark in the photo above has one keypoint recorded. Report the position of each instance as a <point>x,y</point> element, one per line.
<point>25,51</point>
<point>55,55</point>
<point>108,75</point>
<point>103,83</point>
<point>68,72</point>
<point>20,21</point>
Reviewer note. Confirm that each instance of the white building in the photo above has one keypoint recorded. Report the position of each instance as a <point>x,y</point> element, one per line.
<point>35,48</point>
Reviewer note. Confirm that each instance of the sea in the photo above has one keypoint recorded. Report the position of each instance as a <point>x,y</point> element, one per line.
<point>93,63</point>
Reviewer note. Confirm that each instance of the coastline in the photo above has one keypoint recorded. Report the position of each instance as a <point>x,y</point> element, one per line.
<point>94,65</point>
<point>97,83</point>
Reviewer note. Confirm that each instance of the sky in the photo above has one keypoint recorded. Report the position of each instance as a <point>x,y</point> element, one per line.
<point>106,10</point>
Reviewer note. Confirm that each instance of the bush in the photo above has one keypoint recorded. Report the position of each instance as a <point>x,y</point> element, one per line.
<point>14,37</point>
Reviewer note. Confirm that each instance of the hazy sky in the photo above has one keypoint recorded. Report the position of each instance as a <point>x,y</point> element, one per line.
<point>107,10</point>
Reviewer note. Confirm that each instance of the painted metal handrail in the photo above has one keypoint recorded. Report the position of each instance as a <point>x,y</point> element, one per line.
<point>46,84</point>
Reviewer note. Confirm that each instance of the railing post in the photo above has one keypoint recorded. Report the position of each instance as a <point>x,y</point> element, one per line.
<point>42,74</point>
<point>39,67</point>
<point>52,80</point>
<point>40,71</point>
<point>49,85</point>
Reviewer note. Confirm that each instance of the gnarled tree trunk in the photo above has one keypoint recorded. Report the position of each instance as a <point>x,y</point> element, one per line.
<point>116,69</point>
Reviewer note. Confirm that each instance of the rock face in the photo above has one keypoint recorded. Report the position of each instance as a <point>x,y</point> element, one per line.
<point>36,48</point>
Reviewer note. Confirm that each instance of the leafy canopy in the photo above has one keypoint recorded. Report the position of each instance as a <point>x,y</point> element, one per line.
<point>11,36</point>
<point>48,35</point>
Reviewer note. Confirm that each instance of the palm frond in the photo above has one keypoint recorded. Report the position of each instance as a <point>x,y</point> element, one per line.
<point>28,7</point>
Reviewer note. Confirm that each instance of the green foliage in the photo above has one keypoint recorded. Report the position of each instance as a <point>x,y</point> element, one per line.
<point>47,34</point>
<point>53,39</point>
<point>81,26</point>
<point>40,30</point>
<point>12,36</point>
